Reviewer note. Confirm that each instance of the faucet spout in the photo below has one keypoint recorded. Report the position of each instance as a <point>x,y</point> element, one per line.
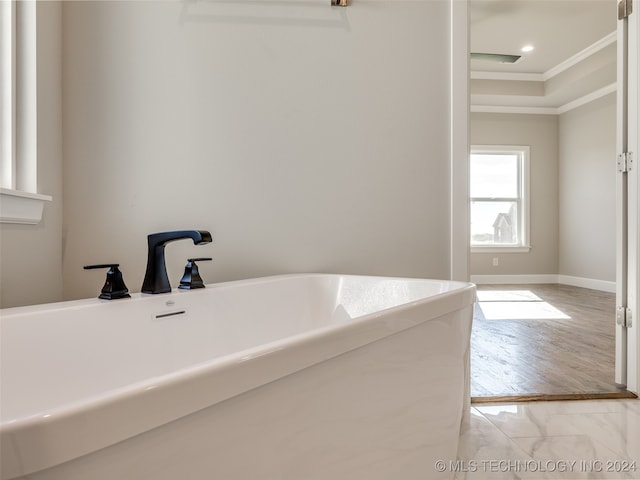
<point>156,279</point>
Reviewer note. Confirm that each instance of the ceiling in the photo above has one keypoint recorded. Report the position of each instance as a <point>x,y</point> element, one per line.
<point>574,52</point>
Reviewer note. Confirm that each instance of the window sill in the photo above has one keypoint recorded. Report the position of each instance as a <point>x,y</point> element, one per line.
<point>21,207</point>
<point>501,249</point>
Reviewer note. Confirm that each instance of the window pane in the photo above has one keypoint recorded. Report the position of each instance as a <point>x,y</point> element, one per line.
<point>494,223</point>
<point>6,94</point>
<point>494,175</point>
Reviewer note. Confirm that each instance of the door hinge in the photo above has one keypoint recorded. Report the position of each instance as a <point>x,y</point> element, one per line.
<point>625,162</point>
<point>625,7</point>
<point>623,317</point>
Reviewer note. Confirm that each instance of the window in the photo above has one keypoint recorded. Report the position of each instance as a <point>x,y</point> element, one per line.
<point>499,210</point>
<point>21,202</point>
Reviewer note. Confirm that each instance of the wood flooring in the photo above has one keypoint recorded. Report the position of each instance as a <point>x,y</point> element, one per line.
<point>544,358</point>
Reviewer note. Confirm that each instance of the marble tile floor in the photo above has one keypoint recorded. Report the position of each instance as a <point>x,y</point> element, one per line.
<point>583,439</point>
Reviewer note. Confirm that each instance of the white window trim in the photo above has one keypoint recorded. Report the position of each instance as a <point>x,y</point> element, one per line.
<point>21,207</point>
<point>19,200</point>
<point>525,246</point>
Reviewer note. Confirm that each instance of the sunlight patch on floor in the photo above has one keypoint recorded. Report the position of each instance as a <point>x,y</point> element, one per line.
<point>507,296</point>
<point>516,305</point>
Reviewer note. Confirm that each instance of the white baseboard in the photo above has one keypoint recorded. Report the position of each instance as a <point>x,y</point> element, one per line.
<point>513,279</point>
<point>591,283</point>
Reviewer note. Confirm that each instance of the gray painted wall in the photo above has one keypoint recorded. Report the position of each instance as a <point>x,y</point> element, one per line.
<point>540,132</point>
<point>587,190</point>
<point>305,138</point>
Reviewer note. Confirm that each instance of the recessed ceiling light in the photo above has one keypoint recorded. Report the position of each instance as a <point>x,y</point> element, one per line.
<point>527,48</point>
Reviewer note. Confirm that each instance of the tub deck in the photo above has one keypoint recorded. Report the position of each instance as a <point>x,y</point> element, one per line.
<point>69,369</point>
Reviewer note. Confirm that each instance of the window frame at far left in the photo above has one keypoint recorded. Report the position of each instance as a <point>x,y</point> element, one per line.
<point>20,200</point>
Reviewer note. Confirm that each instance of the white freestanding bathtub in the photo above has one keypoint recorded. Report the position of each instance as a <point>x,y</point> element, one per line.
<point>295,377</point>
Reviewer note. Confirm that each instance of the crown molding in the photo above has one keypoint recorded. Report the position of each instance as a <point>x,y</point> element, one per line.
<point>590,97</point>
<point>580,56</point>
<point>578,102</point>
<point>514,109</point>
<point>515,76</point>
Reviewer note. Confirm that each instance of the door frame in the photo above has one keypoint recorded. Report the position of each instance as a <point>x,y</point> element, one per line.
<point>627,370</point>
<point>460,148</point>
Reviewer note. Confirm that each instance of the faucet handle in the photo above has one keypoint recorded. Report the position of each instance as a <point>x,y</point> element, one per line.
<point>191,278</point>
<point>114,286</point>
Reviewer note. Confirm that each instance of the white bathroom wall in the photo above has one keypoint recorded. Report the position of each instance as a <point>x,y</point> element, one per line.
<point>305,137</point>
<point>587,176</point>
<point>30,255</point>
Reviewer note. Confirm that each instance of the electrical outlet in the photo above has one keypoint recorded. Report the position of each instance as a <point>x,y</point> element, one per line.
<point>496,261</point>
